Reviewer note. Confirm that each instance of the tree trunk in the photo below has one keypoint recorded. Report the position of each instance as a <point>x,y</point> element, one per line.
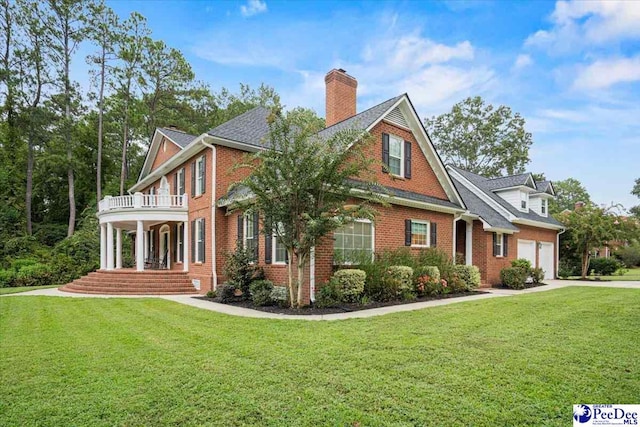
<point>29,189</point>
<point>100,118</point>
<point>123,168</point>
<point>585,263</point>
<point>301,262</point>
<point>67,116</point>
<point>292,294</point>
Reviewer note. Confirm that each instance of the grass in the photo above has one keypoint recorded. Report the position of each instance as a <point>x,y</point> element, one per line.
<point>505,361</point>
<point>4,291</point>
<point>631,274</point>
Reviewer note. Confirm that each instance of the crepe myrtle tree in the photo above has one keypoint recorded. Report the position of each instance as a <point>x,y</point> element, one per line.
<point>300,189</point>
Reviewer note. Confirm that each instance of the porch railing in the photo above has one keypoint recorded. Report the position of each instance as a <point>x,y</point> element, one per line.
<point>139,200</point>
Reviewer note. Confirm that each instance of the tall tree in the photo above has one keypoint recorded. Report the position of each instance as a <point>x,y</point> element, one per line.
<point>126,75</point>
<point>635,210</point>
<point>299,187</point>
<point>103,30</point>
<point>481,138</point>
<point>68,32</point>
<point>568,193</point>
<point>33,78</point>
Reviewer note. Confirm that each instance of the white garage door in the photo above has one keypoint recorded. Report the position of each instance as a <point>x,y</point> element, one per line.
<point>547,255</point>
<point>527,250</point>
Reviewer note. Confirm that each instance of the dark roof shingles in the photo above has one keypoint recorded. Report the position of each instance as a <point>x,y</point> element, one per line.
<point>249,128</point>
<point>181,138</point>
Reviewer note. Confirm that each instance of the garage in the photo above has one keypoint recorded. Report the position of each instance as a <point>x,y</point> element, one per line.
<point>547,255</point>
<point>527,250</point>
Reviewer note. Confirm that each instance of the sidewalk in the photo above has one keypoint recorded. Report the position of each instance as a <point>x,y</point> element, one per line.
<point>193,301</point>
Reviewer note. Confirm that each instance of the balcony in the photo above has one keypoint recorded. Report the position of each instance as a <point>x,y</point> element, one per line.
<point>140,201</point>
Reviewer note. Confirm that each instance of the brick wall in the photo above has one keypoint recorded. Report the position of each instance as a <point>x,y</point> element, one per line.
<point>166,150</point>
<point>340,97</point>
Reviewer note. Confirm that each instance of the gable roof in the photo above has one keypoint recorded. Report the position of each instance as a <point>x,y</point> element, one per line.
<point>182,139</point>
<point>545,187</point>
<point>482,184</point>
<point>179,138</point>
<point>478,207</point>
<point>523,179</point>
<point>249,128</point>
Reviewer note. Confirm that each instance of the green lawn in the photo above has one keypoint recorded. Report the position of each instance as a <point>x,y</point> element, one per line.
<point>518,361</point>
<point>632,274</point>
<point>4,291</point>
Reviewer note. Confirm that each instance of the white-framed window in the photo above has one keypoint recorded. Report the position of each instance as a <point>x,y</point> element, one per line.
<point>278,250</point>
<point>524,199</point>
<point>499,250</point>
<point>180,243</point>
<point>353,242</point>
<point>419,233</point>
<point>250,238</point>
<point>396,155</point>
<point>199,243</point>
<point>543,206</point>
<point>200,174</point>
<point>180,190</point>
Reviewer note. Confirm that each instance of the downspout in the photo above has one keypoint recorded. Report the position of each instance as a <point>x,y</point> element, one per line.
<point>558,252</point>
<point>213,212</point>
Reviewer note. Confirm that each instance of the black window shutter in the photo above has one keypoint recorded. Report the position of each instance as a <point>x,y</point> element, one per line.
<point>495,244</point>
<point>385,152</point>
<point>407,232</point>
<point>407,159</point>
<point>240,228</point>
<point>204,174</point>
<point>175,183</point>
<point>193,179</point>
<point>256,233</point>
<point>193,241</point>
<point>268,240</point>
<point>286,257</point>
<point>203,245</point>
<point>182,187</point>
<point>434,234</point>
<point>504,243</point>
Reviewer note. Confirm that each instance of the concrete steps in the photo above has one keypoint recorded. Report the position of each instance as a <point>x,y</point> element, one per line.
<point>129,282</point>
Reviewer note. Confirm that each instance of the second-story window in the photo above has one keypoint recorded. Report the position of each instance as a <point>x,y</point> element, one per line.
<point>198,176</point>
<point>543,207</point>
<point>395,155</point>
<point>523,200</point>
<point>180,190</point>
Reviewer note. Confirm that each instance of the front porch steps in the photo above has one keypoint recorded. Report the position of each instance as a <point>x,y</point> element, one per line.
<point>131,282</point>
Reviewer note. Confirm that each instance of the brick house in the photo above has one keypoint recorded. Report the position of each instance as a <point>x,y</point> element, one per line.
<point>178,209</point>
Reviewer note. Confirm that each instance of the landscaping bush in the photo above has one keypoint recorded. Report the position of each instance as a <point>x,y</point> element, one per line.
<point>426,281</point>
<point>454,285</point>
<point>351,283</point>
<point>261,292</point>
<point>469,274</point>
<point>437,258</point>
<point>7,278</point>
<point>240,270</point>
<point>523,264</point>
<point>329,295</point>
<point>404,274</point>
<point>280,295</point>
<point>604,266</point>
<point>513,277</point>
<point>566,269</point>
<point>33,275</point>
<point>629,255</point>
<point>226,293</point>
<point>537,274</point>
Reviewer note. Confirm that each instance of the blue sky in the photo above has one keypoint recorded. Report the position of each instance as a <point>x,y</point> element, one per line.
<point>572,69</point>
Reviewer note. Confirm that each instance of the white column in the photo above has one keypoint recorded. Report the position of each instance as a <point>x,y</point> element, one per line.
<point>146,244</point>
<point>118,248</point>
<point>140,238</point>
<point>103,246</point>
<point>109,246</point>
<point>469,244</point>
<point>185,246</point>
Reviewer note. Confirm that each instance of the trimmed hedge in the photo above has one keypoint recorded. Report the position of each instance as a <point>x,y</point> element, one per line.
<point>261,292</point>
<point>469,274</point>
<point>513,277</point>
<point>404,275</point>
<point>604,266</point>
<point>350,283</point>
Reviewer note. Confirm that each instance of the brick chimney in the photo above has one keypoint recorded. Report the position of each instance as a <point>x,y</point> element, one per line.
<point>340,96</point>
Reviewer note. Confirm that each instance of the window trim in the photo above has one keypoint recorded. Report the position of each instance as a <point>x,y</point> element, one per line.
<point>198,232</point>
<point>373,240</point>
<point>500,244</point>
<point>400,141</point>
<point>524,201</point>
<point>428,233</point>
<point>181,182</point>
<point>544,206</point>
<point>200,184</point>
<point>179,242</point>
<point>274,251</point>
<point>245,232</point>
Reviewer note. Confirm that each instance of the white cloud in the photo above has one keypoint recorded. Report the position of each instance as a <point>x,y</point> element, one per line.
<point>604,73</point>
<point>588,23</point>
<point>253,7</point>
<point>522,61</point>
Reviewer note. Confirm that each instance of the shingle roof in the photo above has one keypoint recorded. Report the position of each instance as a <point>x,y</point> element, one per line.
<point>507,181</point>
<point>482,209</point>
<point>249,128</point>
<point>181,138</point>
<point>543,186</point>
<point>482,183</point>
<point>361,120</point>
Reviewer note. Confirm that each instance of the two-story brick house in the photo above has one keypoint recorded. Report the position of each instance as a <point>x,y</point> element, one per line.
<point>179,208</point>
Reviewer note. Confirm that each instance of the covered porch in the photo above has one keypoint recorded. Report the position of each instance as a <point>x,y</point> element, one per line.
<point>137,214</point>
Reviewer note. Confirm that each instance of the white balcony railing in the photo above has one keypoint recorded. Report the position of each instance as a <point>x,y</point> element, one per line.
<point>139,200</point>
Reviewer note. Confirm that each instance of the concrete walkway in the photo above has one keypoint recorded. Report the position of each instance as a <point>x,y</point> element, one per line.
<point>192,301</point>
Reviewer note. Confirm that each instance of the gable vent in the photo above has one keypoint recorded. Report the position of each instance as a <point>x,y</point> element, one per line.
<point>396,117</point>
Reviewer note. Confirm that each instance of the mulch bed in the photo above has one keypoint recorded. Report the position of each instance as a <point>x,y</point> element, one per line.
<point>526,286</point>
<point>344,308</point>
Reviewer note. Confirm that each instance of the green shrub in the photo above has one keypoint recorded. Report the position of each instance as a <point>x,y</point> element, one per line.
<point>329,295</point>
<point>438,258</point>
<point>211,294</point>
<point>280,295</point>
<point>261,292</point>
<point>604,266</point>
<point>629,255</point>
<point>455,285</point>
<point>18,264</point>
<point>404,274</point>
<point>7,278</point>
<point>426,281</point>
<point>469,274</point>
<point>33,275</point>
<point>537,274</point>
<point>513,277</point>
<point>226,293</point>
<point>240,270</point>
<point>522,263</point>
<point>351,283</point>
<point>429,270</point>
<point>565,269</point>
